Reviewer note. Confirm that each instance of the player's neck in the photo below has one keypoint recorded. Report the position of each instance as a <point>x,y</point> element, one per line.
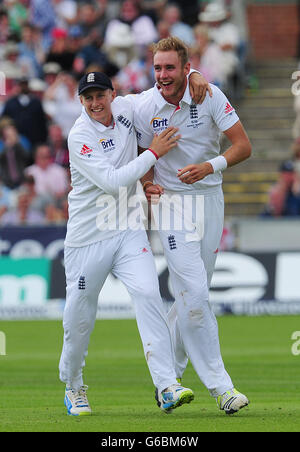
<point>176,98</point>
<point>108,122</point>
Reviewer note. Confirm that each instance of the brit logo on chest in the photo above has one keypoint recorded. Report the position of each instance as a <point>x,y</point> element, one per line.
<point>107,144</point>
<point>159,124</point>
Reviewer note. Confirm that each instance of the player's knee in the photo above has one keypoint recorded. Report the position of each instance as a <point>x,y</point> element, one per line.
<point>193,302</point>
<point>194,292</point>
<point>148,291</point>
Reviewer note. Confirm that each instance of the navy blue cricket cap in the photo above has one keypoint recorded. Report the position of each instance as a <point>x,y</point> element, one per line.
<point>94,80</point>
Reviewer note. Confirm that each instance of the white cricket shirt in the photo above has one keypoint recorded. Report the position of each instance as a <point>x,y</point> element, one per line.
<point>200,127</point>
<point>103,159</point>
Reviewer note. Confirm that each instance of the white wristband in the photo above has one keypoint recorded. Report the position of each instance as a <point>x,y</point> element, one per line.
<point>218,163</point>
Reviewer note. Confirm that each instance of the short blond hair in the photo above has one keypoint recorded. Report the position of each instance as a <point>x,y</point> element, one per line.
<point>172,43</point>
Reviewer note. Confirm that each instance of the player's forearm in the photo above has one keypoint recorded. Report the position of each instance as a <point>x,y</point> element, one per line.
<point>237,153</point>
<point>240,148</point>
<point>147,179</point>
<point>149,176</point>
<point>127,174</point>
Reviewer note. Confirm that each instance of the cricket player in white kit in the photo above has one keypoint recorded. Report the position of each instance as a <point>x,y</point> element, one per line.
<point>103,157</point>
<point>193,172</point>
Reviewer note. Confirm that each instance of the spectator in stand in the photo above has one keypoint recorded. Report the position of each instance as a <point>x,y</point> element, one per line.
<point>37,201</point>
<point>226,35</point>
<point>66,13</point>
<point>42,15</point>
<point>54,215</point>
<point>142,26</point>
<point>17,15</point>
<point>207,57</point>
<point>190,9</point>
<point>91,53</point>
<point>61,102</point>
<point>50,178</point>
<point>45,205</point>
<point>11,65</point>
<point>154,8</point>
<point>37,87</point>
<point>284,199</point>
<point>5,31</point>
<point>75,44</point>
<point>121,46</point>
<point>137,75</point>
<point>172,16</point>
<point>87,17</point>
<point>13,159</point>
<point>163,30</point>
<point>28,114</point>
<point>59,51</point>
<point>92,16</point>
<point>50,72</point>
<point>24,142</point>
<point>58,146</point>
<point>106,10</point>
<point>31,53</point>
<point>23,213</point>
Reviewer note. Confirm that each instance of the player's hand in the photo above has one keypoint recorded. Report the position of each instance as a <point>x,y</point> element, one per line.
<point>164,142</point>
<point>193,173</point>
<point>153,193</point>
<point>199,86</point>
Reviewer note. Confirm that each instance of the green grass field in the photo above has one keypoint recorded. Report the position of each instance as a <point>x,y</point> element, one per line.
<point>256,351</point>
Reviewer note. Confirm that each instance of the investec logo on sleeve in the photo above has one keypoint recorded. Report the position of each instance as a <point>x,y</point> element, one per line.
<point>159,124</point>
<point>107,144</point>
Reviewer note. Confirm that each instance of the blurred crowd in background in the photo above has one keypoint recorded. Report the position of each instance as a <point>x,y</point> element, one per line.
<point>47,45</point>
<point>284,196</point>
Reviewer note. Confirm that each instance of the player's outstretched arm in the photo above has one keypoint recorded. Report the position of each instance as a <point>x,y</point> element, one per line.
<point>99,170</point>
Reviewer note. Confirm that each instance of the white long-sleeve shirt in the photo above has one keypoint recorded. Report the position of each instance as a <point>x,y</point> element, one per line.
<point>103,161</point>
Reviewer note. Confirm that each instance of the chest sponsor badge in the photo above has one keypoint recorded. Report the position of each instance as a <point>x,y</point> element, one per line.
<point>159,124</point>
<point>107,144</point>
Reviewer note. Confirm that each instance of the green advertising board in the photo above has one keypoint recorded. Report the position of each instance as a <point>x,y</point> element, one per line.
<point>24,281</point>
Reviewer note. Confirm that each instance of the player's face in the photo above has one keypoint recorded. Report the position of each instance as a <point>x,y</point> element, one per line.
<point>170,75</point>
<point>97,104</point>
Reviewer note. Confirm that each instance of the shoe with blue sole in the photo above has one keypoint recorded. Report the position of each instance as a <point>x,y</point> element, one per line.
<point>76,402</point>
<point>173,397</point>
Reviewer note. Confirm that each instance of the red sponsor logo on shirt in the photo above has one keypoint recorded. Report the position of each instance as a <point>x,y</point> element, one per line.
<point>144,250</point>
<point>228,108</point>
<point>85,150</point>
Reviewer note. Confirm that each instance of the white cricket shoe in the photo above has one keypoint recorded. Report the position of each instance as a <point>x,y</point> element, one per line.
<point>232,401</point>
<point>76,402</point>
<point>173,397</point>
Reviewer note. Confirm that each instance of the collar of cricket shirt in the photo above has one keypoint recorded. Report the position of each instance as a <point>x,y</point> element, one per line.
<point>161,101</point>
<point>98,125</point>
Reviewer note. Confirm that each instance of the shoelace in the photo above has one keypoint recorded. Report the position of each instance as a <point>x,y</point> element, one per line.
<point>227,397</point>
<point>80,397</point>
<point>168,393</point>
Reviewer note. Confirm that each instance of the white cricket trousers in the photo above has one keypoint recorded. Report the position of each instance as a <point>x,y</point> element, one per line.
<point>128,257</point>
<point>192,321</point>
